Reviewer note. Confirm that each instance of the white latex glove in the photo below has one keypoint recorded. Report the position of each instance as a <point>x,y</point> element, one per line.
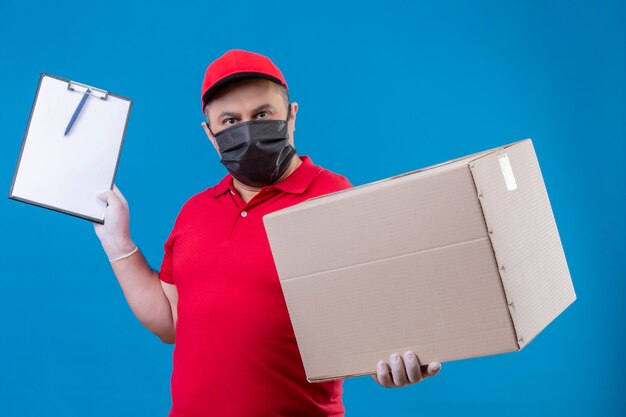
<point>114,234</point>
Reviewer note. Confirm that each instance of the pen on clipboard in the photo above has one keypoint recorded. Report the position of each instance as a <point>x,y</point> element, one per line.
<point>77,111</point>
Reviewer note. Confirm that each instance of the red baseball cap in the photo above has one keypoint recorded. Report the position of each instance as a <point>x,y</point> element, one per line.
<point>237,63</point>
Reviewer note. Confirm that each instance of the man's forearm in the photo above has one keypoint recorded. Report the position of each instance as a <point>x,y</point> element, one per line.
<point>144,295</point>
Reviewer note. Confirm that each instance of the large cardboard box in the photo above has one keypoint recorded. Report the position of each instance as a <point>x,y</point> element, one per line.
<point>459,260</point>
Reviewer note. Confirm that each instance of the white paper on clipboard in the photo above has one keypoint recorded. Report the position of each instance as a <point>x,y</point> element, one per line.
<point>66,173</point>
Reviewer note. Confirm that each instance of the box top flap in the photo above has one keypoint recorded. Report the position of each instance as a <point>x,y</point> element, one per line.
<point>454,163</point>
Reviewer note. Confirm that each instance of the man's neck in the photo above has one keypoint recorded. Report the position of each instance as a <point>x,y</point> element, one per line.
<point>247,192</point>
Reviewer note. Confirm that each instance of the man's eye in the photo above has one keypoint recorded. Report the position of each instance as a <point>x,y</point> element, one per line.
<point>229,121</point>
<point>262,115</point>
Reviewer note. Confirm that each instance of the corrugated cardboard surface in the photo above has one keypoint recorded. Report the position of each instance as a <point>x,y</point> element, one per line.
<point>525,239</point>
<point>408,263</point>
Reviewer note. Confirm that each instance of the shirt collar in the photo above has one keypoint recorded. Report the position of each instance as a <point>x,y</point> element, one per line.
<point>296,183</point>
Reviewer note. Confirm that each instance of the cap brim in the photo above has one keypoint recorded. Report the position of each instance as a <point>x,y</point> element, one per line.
<point>208,94</point>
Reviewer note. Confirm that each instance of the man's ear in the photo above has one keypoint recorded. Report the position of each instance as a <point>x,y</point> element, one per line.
<point>211,138</point>
<point>292,116</point>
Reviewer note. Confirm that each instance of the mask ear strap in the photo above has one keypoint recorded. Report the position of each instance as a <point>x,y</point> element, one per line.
<point>209,127</point>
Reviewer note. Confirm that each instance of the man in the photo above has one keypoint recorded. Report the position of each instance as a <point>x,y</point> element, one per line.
<point>217,295</point>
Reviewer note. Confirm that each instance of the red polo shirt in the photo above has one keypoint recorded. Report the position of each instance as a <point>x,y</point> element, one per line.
<point>235,352</point>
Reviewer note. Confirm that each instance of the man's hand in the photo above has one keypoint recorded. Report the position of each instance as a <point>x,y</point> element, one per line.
<point>404,370</point>
<point>114,234</point>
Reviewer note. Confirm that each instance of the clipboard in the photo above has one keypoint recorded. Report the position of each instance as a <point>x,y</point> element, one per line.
<point>65,173</point>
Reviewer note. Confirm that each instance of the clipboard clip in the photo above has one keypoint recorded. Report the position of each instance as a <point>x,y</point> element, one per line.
<point>81,88</point>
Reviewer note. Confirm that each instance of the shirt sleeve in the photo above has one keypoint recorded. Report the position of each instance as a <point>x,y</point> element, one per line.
<point>166,274</point>
<point>337,182</point>
<point>343,183</point>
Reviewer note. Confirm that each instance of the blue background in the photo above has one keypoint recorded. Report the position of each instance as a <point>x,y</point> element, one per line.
<point>383,89</point>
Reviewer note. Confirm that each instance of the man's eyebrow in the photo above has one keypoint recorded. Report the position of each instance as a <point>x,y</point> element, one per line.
<point>228,113</point>
<point>262,107</point>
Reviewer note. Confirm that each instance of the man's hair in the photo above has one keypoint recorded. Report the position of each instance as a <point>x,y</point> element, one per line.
<point>283,91</point>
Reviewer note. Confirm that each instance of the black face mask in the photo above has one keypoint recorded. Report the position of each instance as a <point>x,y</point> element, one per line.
<point>257,152</point>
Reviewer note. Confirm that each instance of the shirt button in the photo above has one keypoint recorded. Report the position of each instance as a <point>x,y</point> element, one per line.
<point>244,213</point>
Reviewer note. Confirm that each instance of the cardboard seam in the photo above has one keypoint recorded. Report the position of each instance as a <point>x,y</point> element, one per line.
<point>464,242</point>
<point>323,379</point>
<point>509,303</point>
